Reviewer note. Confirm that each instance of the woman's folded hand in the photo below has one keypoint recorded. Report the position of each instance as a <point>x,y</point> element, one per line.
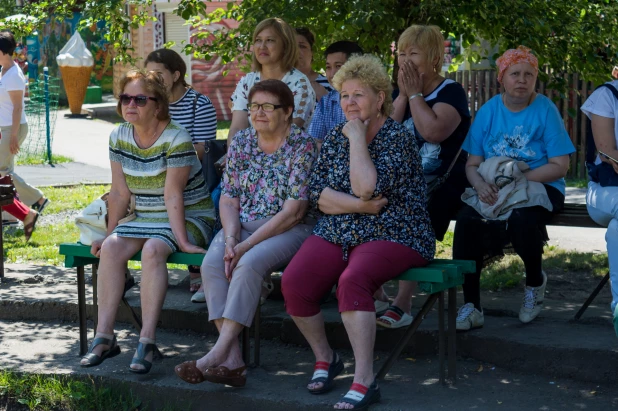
<point>373,206</point>
<point>488,193</point>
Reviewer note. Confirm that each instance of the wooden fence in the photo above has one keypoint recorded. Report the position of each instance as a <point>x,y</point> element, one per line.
<point>483,85</point>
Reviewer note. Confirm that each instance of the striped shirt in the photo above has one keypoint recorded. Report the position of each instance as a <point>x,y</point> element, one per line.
<point>323,81</point>
<point>201,125</point>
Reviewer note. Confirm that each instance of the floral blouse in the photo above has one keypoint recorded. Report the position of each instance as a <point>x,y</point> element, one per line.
<point>304,96</point>
<point>404,219</point>
<point>263,182</point>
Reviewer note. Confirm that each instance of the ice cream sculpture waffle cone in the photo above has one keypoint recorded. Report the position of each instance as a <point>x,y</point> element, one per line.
<point>75,62</point>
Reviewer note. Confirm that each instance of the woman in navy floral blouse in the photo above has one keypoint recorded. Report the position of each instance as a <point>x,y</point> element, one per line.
<point>369,190</point>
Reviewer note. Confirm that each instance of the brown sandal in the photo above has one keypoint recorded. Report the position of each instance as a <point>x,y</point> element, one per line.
<point>188,371</point>
<point>223,375</point>
<point>29,228</point>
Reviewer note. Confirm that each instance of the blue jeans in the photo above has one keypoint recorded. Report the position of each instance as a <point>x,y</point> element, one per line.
<point>602,205</point>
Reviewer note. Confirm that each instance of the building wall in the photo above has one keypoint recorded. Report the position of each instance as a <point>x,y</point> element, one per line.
<point>205,76</point>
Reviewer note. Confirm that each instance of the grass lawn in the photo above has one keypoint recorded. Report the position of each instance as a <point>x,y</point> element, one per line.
<point>30,160</point>
<point>223,127</point>
<point>43,246</point>
<point>58,392</point>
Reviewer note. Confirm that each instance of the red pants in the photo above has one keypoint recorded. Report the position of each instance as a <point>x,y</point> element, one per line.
<point>18,209</point>
<point>319,265</point>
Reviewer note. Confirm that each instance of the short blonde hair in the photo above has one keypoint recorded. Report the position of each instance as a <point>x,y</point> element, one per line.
<point>153,83</point>
<point>428,38</point>
<point>370,71</point>
<point>287,35</point>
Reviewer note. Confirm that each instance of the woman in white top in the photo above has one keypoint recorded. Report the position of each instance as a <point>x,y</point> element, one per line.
<point>602,109</point>
<point>275,53</point>
<point>13,123</point>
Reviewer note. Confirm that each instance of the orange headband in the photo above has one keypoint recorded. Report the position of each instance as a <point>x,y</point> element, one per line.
<point>521,54</point>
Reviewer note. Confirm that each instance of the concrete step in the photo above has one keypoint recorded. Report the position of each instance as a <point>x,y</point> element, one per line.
<point>280,382</point>
<point>552,345</point>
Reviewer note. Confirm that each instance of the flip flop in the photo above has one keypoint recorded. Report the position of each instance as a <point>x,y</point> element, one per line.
<point>29,228</point>
<point>326,373</point>
<point>394,317</point>
<point>223,375</point>
<point>362,397</point>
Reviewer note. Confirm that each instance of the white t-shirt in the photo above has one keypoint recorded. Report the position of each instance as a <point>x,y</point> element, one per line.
<point>603,103</point>
<point>304,96</point>
<point>13,79</point>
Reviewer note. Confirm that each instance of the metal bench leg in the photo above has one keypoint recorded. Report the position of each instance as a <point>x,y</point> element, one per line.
<point>95,300</point>
<point>407,336</point>
<point>452,334</point>
<point>441,335</point>
<point>81,307</point>
<point>256,336</point>
<point>592,296</point>
<point>245,346</point>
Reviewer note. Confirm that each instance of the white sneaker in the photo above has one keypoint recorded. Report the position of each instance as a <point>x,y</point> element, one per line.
<point>533,301</point>
<point>469,318</point>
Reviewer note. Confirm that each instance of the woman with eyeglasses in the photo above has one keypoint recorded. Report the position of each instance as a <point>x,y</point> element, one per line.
<point>153,159</point>
<point>263,205</point>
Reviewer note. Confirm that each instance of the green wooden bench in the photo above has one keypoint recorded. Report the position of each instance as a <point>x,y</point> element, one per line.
<point>434,279</point>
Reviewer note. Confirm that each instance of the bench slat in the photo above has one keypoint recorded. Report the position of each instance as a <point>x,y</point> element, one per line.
<point>78,255</point>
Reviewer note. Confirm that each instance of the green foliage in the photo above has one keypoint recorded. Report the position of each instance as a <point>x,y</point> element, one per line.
<point>54,392</point>
<point>576,36</point>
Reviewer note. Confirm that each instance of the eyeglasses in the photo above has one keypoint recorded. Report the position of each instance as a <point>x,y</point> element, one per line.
<point>266,107</point>
<point>140,100</point>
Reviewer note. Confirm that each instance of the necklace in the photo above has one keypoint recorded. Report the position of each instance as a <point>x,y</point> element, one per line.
<point>523,108</point>
<point>138,140</point>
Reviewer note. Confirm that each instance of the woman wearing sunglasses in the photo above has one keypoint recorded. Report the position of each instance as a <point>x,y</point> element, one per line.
<point>152,158</point>
<point>263,205</point>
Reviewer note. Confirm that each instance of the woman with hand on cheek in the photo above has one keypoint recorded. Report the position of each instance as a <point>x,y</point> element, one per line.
<point>369,189</point>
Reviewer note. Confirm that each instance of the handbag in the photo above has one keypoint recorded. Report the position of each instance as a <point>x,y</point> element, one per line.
<point>214,150</point>
<point>92,220</point>
<point>437,182</point>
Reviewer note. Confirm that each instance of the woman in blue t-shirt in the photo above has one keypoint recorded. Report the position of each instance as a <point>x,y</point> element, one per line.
<point>524,126</point>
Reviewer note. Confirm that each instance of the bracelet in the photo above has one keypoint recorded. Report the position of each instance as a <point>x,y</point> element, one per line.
<point>413,96</point>
<point>249,242</point>
<point>231,236</point>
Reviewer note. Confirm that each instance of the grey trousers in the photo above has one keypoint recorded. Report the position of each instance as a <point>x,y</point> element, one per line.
<point>238,299</point>
<point>27,194</point>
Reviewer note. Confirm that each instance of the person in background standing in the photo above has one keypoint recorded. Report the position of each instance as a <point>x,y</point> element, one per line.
<point>13,123</point>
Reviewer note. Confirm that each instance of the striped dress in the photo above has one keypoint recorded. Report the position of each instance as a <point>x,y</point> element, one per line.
<point>145,171</point>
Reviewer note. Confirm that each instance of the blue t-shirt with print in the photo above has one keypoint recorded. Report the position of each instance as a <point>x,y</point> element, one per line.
<point>533,135</point>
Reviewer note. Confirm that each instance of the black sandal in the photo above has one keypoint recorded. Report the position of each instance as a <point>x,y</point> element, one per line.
<point>362,397</point>
<point>143,349</point>
<point>94,359</point>
<point>326,373</point>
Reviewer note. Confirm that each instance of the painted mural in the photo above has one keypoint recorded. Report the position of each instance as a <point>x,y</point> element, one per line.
<point>43,48</point>
<point>207,76</point>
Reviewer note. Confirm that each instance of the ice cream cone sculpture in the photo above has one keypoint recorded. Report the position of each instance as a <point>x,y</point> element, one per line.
<point>75,62</point>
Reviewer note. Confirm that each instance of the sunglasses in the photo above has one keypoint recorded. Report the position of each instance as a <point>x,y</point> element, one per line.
<point>266,107</point>
<point>140,101</point>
